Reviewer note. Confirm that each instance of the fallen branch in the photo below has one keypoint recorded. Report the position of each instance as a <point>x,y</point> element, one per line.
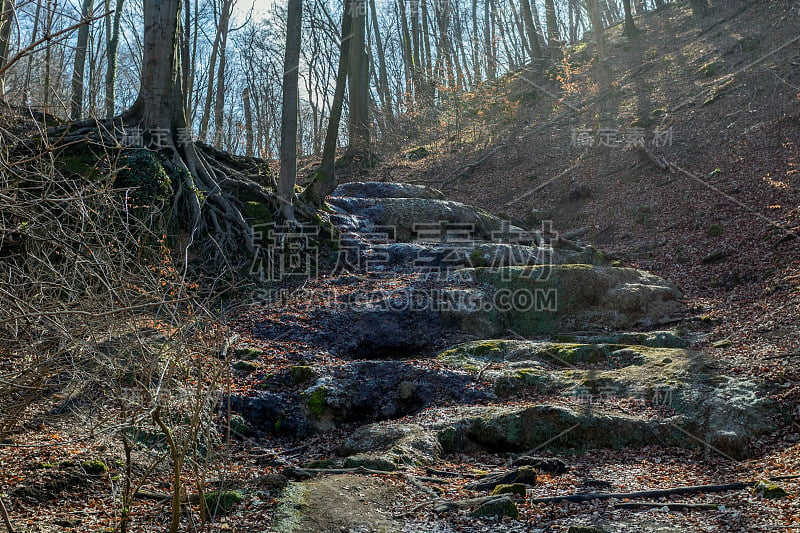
<point>659,162</point>
<point>305,473</point>
<point>163,497</point>
<point>421,486</point>
<point>783,355</point>
<point>6,519</point>
<point>445,473</point>
<point>659,493</point>
<point>573,234</point>
<point>670,506</point>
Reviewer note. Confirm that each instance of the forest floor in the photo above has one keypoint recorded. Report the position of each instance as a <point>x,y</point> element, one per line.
<point>727,93</point>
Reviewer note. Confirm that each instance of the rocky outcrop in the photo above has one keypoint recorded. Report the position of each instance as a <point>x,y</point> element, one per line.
<point>562,298</point>
<point>380,189</point>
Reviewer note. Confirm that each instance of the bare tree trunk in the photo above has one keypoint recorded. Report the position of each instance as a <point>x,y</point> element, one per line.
<point>7,14</point>
<point>358,76</point>
<point>530,26</point>
<point>599,37</point>
<point>383,77</point>
<point>76,102</point>
<point>476,63</point>
<point>112,43</point>
<point>219,101</point>
<point>206,116</point>
<point>291,66</point>
<point>630,27</point>
<point>248,122</point>
<point>408,55</point>
<point>47,56</point>
<point>553,38</point>
<point>488,40</point>
<point>324,181</point>
<point>34,36</point>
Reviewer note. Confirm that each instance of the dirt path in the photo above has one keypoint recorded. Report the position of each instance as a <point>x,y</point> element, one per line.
<point>339,503</point>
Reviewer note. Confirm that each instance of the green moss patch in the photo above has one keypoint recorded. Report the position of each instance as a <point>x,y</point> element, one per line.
<point>220,503</point>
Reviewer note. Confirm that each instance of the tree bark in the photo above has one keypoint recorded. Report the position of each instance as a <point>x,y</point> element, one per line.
<point>112,43</point>
<point>630,27</point>
<point>553,38</point>
<point>291,66</point>
<point>358,83</point>
<point>324,181</point>
<point>7,11</point>
<point>700,8</point>
<point>530,26</point>
<point>383,77</point>
<point>219,100</point>
<point>79,67</point>
<point>248,122</point>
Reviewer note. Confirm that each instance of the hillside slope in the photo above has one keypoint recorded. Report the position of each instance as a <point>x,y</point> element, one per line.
<point>719,100</point>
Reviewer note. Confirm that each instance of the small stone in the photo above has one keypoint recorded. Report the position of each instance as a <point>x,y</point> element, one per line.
<point>301,374</point>
<point>245,366</point>
<point>769,490</point>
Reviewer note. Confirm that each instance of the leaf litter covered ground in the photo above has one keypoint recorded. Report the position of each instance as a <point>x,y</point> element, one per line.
<point>742,157</point>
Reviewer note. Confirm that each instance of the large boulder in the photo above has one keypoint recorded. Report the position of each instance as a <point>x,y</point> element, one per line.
<point>421,218</point>
<point>394,443</point>
<point>378,390</point>
<point>379,189</point>
<point>562,298</point>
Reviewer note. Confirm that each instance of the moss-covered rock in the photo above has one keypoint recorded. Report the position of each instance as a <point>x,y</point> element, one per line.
<point>94,467</point>
<point>245,366</point>
<point>534,300</point>
<point>142,172</point>
<point>498,508</point>
<point>316,401</point>
<point>513,488</point>
<point>769,490</point>
<point>247,353</point>
<point>302,374</point>
<point>239,426</point>
<point>223,502</point>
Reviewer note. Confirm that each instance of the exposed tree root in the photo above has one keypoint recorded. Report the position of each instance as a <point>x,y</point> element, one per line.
<point>208,183</point>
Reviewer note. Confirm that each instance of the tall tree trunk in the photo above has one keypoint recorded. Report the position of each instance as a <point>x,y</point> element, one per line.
<point>112,44</point>
<point>358,83</point>
<point>7,13</point>
<point>530,26</point>
<point>553,38</point>
<point>48,54</point>
<point>206,116</point>
<point>34,36</point>
<point>324,181</point>
<point>630,27</point>
<point>488,41</point>
<point>700,8</point>
<point>476,56</point>
<point>408,55</point>
<point>426,43</point>
<point>599,37</point>
<point>219,100</point>
<point>291,66</point>
<point>79,68</point>
<point>248,122</point>
<point>383,77</point>
<point>444,74</point>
